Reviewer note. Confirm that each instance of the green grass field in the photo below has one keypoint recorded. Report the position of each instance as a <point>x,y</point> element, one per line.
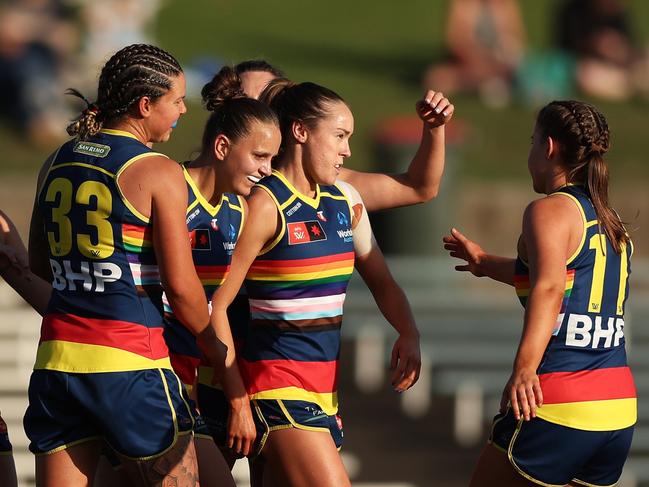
<point>373,54</point>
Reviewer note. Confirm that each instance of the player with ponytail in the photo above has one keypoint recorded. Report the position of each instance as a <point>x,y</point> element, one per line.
<point>568,411</point>
<point>240,138</point>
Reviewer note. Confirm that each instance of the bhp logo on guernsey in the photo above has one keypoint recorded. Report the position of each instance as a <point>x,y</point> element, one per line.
<point>305,232</point>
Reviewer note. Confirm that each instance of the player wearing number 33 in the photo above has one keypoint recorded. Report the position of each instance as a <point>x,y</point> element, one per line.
<point>108,228</point>
<point>568,410</point>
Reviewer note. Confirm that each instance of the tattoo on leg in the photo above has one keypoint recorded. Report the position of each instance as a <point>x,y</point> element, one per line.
<point>176,468</point>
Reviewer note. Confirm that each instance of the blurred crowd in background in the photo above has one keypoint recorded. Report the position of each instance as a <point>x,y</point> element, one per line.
<point>595,52</point>
<point>49,45</point>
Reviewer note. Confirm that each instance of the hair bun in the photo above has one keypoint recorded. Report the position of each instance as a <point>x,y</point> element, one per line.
<point>225,86</point>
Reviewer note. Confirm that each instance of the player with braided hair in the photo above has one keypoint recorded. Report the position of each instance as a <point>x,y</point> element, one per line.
<point>568,411</point>
<point>108,227</point>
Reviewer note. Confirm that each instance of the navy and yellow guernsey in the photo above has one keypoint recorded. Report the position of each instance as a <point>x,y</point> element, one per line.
<point>213,232</point>
<point>105,314</point>
<point>296,290</point>
<point>584,376</point>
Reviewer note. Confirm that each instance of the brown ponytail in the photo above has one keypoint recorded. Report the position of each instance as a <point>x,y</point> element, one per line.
<point>584,137</point>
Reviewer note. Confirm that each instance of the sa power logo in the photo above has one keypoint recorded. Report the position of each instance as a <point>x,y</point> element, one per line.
<point>305,232</point>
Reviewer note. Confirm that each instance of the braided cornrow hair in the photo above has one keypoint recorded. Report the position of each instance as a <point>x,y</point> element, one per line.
<point>133,72</point>
<point>584,138</point>
<point>233,113</point>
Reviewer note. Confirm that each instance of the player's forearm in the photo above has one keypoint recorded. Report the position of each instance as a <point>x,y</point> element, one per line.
<point>498,268</point>
<point>542,309</point>
<point>29,286</point>
<point>424,174</point>
<point>231,380</point>
<point>189,304</point>
<point>394,306</point>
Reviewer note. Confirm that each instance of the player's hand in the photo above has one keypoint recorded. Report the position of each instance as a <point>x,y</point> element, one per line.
<point>12,257</point>
<point>434,109</point>
<point>523,393</point>
<point>460,247</point>
<point>405,362</point>
<point>241,428</point>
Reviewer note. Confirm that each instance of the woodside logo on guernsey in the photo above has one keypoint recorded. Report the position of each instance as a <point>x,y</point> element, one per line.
<point>91,149</point>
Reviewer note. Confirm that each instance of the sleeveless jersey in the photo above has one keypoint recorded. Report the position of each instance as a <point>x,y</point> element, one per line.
<point>296,289</point>
<point>213,231</point>
<point>105,314</point>
<point>584,375</point>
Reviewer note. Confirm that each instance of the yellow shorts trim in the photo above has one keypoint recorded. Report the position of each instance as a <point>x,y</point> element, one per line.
<point>581,482</point>
<point>264,436</point>
<point>516,467</point>
<point>177,434</point>
<point>297,425</point>
<point>69,445</point>
<point>491,434</point>
<point>327,401</point>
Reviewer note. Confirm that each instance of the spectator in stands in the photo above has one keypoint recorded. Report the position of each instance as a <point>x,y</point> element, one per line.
<point>598,34</point>
<point>109,25</point>
<point>36,39</point>
<point>485,42</point>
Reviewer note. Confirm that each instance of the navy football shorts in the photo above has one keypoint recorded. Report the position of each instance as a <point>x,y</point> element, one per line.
<point>140,414</point>
<point>554,455</point>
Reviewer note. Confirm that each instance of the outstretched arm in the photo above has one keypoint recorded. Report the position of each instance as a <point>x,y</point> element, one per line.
<point>478,262</point>
<point>421,181</point>
<point>260,226</point>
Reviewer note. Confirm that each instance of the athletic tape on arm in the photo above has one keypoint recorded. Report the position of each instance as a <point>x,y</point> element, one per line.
<point>364,240</point>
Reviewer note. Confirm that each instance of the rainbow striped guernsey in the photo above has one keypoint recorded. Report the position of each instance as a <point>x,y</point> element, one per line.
<point>213,232</point>
<point>584,375</point>
<point>296,290</point>
<point>105,314</point>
